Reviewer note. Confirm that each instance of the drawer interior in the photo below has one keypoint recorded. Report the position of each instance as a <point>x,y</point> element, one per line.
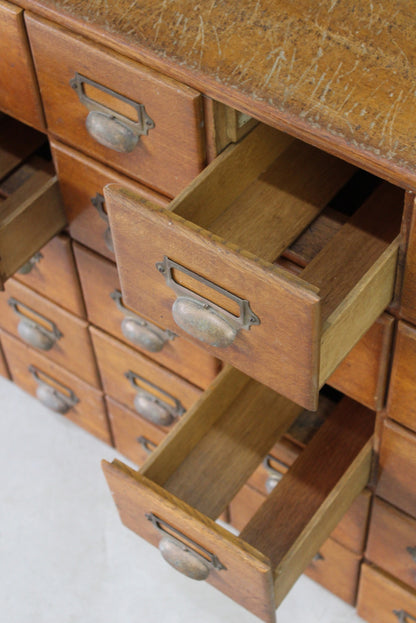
<point>188,481</point>
<point>227,239</point>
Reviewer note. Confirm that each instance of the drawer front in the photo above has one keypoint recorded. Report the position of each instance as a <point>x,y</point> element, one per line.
<point>19,94</point>
<point>3,366</point>
<point>51,330</point>
<point>382,600</point>
<point>408,294</point>
<point>105,309</point>
<point>397,467</point>
<point>167,156</point>
<point>82,181</point>
<point>208,263</point>
<point>53,274</point>
<point>392,542</point>
<point>56,388</point>
<point>401,404</point>
<point>141,384</point>
<point>133,436</point>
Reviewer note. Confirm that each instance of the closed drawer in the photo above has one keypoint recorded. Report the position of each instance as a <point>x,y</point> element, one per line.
<point>174,499</point>
<point>82,181</point>
<point>105,309</point>
<point>392,542</point>
<point>56,388</point>
<point>408,294</point>
<point>208,263</point>
<point>19,95</point>
<point>133,436</point>
<point>401,404</point>
<point>3,366</point>
<point>52,273</point>
<point>62,337</point>
<point>141,384</point>
<point>397,467</point>
<point>124,114</point>
<point>383,600</point>
<point>31,206</point>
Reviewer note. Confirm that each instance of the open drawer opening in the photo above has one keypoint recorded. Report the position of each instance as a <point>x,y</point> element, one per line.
<point>31,210</point>
<point>186,483</point>
<point>210,265</point>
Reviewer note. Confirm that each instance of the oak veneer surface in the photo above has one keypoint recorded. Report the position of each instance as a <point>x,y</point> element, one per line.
<point>337,73</point>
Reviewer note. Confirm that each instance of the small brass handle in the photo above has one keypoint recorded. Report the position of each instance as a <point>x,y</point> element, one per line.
<point>403,616</point>
<point>151,406</point>
<point>35,333</point>
<point>318,557</point>
<point>29,265</point>
<point>274,475</point>
<point>147,445</point>
<point>56,400</point>
<point>140,331</point>
<point>412,551</point>
<point>111,132</point>
<point>98,203</point>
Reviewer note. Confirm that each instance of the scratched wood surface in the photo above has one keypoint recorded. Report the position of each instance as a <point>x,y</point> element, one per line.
<point>338,73</point>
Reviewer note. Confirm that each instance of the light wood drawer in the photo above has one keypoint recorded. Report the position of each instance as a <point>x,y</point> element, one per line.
<point>133,436</point>
<point>3,366</point>
<point>31,206</point>
<point>19,94</point>
<point>57,388</point>
<point>52,273</point>
<point>105,309</point>
<point>392,542</point>
<point>397,467</point>
<point>141,384</point>
<point>166,156</point>
<point>208,263</point>
<point>56,333</point>
<point>401,404</point>
<point>82,180</point>
<point>174,499</point>
<point>381,599</point>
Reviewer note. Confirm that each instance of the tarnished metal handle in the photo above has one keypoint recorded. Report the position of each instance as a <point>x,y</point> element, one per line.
<point>412,551</point>
<point>182,553</point>
<point>34,333</point>
<point>139,331</point>
<point>60,401</point>
<point>318,557</point>
<point>147,445</point>
<point>98,203</point>
<point>29,265</point>
<point>201,318</point>
<point>109,127</point>
<point>403,616</point>
<point>274,475</point>
<point>151,406</point>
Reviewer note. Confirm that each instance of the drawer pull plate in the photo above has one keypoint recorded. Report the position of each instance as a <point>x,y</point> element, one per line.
<point>403,616</point>
<point>98,203</point>
<point>147,445</point>
<point>183,553</point>
<point>140,331</point>
<point>60,401</point>
<point>109,127</point>
<point>152,407</point>
<point>29,265</point>
<point>200,317</point>
<point>35,333</point>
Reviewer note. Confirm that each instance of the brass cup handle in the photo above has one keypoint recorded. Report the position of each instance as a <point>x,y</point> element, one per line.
<point>111,132</point>
<point>147,445</point>
<point>274,476</point>
<point>28,266</point>
<point>152,407</point>
<point>51,397</point>
<point>98,203</point>
<point>34,333</point>
<point>403,616</point>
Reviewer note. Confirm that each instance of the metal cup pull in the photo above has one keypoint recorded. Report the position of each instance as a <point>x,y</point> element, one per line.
<point>147,445</point>
<point>41,334</point>
<point>98,203</point>
<point>403,616</point>
<point>184,554</point>
<point>140,331</point>
<point>107,126</point>
<point>201,318</point>
<point>58,400</point>
<point>412,551</point>
<point>28,266</point>
<point>152,406</point>
<point>274,475</point>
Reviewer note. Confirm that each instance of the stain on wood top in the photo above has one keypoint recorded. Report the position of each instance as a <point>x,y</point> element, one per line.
<point>340,74</point>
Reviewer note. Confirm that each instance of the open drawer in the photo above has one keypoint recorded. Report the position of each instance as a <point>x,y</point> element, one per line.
<point>186,483</point>
<point>207,266</point>
<point>31,210</point>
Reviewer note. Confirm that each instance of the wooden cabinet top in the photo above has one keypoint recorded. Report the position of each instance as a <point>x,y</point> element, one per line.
<point>339,74</point>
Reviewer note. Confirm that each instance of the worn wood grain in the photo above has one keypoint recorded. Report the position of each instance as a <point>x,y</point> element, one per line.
<point>380,596</point>
<point>401,404</point>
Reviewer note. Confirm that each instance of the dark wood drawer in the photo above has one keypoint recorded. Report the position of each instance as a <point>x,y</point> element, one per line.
<point>19,94</point>
<point>381,599</point>
<point>208,263</point>
<point>105,309</point>
<point>56,333</point>
<point>82,180</point>
<point>57,388</point>
<point>408,294</point>
<point>401,404</point>
<point>397,467</point>
<point>392,542</point>
<point>141,384</point>
<point>185,484</point>
<point>162,145</point>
